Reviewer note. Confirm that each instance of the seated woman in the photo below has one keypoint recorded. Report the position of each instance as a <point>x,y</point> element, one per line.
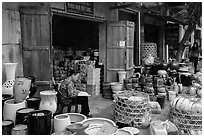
<point>67,88</point>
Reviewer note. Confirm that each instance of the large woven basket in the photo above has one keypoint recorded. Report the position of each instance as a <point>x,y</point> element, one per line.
<point>129,112</point>
<point>187,123</point>
<point>147,49</point>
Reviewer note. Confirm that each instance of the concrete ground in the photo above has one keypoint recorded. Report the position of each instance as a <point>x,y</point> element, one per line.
<point>101,107</point>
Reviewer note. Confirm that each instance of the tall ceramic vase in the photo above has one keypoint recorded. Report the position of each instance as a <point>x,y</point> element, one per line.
<point>21,89</point>
<point>48,101</point>
<point>7,87</point>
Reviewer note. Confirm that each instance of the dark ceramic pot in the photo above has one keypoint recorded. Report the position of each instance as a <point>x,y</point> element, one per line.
<point>174,65</point>
<point>7,126</point>
<point>39,122</point>
<point>33,102</point>
<point>22,115</point>
<point>164,66</point>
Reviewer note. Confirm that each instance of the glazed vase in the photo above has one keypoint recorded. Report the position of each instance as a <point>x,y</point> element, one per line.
<point>48,100</point>
<point>10,108</point>
<point>21,89</point>
<point>10,69</point>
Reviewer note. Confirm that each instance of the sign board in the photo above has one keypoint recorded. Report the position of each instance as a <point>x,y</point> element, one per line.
<point>80,7</point>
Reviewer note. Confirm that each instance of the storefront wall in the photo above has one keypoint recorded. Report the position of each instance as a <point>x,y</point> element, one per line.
<point>102,14</point>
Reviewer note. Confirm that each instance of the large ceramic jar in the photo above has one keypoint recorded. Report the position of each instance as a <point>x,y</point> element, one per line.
<point>21,89</point>
<point>10,69</point>
<point>39,122</point>
<point>48,100</point>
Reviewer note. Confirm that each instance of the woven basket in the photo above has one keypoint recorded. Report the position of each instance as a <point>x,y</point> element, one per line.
<point>147,49</point>
<point>186,122</point>
<point>131,112</point>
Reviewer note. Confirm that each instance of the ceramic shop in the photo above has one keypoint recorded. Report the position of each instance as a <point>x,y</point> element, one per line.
<point>119,51</point>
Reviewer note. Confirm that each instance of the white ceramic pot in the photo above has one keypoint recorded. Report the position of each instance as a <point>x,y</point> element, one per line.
<point>116,86</point>
<point>48,100</point>
<point>61,121</point>
<point>10,69</point>
<point>10,108</point>
<point>21,89</point>
<point>122,75</point>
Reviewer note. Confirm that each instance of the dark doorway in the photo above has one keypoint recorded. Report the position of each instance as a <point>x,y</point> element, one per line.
<point>75,33</point>
<point>151,34</point>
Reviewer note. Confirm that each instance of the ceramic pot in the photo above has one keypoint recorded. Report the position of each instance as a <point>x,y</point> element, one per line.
<point>174,65</point>
<point>164,66</point>
<point>39,122</point>
<point>7,87</point>
<point>7,126</point>
<point>121,75</point>
<point>21,89</point>
<point>19,129</point>
<point>22,115</point>
<point>33,102</point>
<point>61,122</point>
<point>48,100</point>
<point>162,72</point>
<point>4,98</point>
<point>10,108</point>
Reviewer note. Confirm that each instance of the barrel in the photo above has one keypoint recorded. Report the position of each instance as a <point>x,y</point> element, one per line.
<point>107,91</point>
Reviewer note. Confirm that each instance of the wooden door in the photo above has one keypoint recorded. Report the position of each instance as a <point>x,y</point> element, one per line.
<point>120,41</point>
<point>36,42</point>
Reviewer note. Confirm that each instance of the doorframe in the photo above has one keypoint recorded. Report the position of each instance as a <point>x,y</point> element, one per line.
<point>137,35</point>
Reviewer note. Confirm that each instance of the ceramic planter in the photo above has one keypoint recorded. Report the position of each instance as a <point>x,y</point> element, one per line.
<point>7,87</point>
<point>48,101</point>
<point>39,122</point>
<point>21,89</point>
<point>61,122</point>
<point>19,129</point>
<point>10,108</point>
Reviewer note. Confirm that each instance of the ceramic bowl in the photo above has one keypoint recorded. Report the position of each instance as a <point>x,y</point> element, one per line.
<point>97,130</point>
<point>116,92</point>
<point>134,130</point>
<point>98,121</point>
<point>76,117</point>
<point>62,133</point>
<point>77,128</point>
<point>123,132</point>
<point>116,86</point>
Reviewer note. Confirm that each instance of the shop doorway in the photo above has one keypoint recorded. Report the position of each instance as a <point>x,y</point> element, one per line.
<point>79,35</point>
<point>152,34</point>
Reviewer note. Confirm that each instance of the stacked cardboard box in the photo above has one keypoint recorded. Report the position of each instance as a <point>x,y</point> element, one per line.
<point>93,81</point>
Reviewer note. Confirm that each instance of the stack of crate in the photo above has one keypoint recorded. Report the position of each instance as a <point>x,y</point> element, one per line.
<point>93,81</point>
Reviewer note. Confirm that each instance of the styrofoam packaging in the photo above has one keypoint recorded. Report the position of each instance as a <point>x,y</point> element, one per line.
<point>154,130</point>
